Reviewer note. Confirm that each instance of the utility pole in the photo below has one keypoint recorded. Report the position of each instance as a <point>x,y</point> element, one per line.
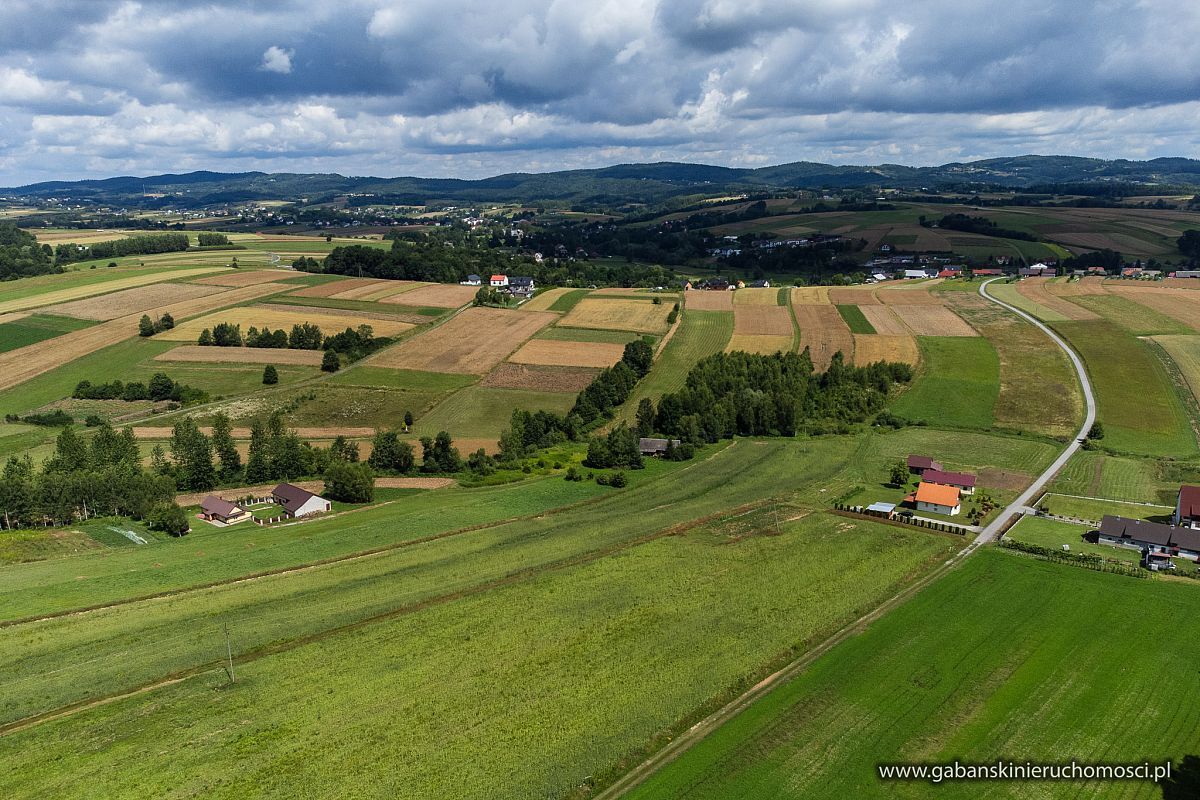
<point>229,653</point>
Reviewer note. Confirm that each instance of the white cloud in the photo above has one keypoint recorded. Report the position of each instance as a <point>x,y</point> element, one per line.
<point>276,59</point>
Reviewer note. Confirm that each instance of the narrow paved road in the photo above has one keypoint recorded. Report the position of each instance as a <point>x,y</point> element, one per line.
<point>701,729</point>
<point>1019,505</point>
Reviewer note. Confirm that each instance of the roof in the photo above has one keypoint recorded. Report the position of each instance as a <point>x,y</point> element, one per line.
<point>1189,501</point>
<point>922,462</point>
<point>290,496</point>
<point>499,277</point>
<point>648,444</point>
<point>936,494</point>
<point>520,280</point>
<point>215,505</point>
<point>951,478</point>
<point>885,508</point>
<point>472,277</point>
<point>989,271</point>
<point>1138,530</point>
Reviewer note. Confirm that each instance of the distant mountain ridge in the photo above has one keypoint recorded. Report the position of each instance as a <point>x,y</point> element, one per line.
<point>652,182</point>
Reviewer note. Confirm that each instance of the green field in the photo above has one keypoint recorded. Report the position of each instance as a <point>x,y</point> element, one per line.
<point>568,300</point>
<point>434,383</point>
<point>1089,509</point>
<point>1044,664</point>
<point>567,688</point>
<point>957,385</point>
<point>1134,317</point>
<point>854,318</point>
<point>589,335</point>
<point>700,334</point>
<point>1138,404</point>
<point>1098,474</point>
<point>479,412</point>
<point>1008,293</point>
<point>37,328</point>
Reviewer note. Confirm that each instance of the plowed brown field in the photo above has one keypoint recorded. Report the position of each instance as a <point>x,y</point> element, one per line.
<point>437,295</point>
<point>933,321</point>
<point>709,301</point>
<point>130,301</point>
<point>762,320</point>
<point>823,332</point>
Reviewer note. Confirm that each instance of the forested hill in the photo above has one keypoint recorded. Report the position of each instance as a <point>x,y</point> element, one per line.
<point>620,183</point>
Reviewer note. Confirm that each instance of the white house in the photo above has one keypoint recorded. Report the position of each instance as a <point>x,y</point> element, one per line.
<point>938,499</point>
<point>499,281</point>
<point>297,502</point>
<point>473,280</point>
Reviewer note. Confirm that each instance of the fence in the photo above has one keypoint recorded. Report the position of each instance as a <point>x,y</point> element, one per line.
<point>1085,560</point>
<point>917,522</point>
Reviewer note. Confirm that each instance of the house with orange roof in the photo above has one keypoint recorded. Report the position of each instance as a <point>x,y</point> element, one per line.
<point>938,499</point>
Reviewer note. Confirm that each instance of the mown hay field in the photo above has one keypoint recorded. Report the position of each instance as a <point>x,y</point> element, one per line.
<point>1181,305</point>
<point>88,289</point>
<point>336,287</point>
<point>853,296</point>
<point>756,297</point>
<point>884,320</point>
<point>701,300</point>
<point>437,295</point>
<point>811,295</point>
<point>129,301</point>
<point>241,355</point>
<point>933,320</point>
<point>480,411</point>
<point>1035,290</point>
<point>265,316</point>
<point>543,300</point>
<point>471,342</point>
<point>17,366</point>
<point>543,378</point>
<point>762,320</point>
<point>640,316</point>
<point>1007,292</point>
<point>1139,317</point>
<point>71,236</point>
<point>957,384</point>
<point>1185,352</point>
<point>377,288</point>
<point>869,348</point>
<point>21,329</point>
<point>823,332</point>
<point>931,683</point>
<point>240,277</point>
<point>551,352</point>
<point>759,343</point>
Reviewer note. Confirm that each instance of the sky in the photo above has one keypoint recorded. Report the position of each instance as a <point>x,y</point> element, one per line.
<point>95,88</point>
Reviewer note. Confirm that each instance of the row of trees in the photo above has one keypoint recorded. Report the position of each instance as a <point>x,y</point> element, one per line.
<point>129,246</point>
<point>304,336</point>
<point>161,387</point>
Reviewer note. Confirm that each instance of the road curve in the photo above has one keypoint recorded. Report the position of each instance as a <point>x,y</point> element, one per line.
<point>993,530</point>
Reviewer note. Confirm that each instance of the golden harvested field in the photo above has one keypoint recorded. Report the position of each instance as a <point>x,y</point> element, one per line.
<point>709,301</point>
<point>541,378</point>
<point>823,332</point>
<point>415,319</point>
<point>933,321</point>
<point>128,301</point>
<point>77,292</point>
<point>414,483</point>
<point>869,348</point>
<point>762,320</point>
<point>471,343</point>
<point>1181,283</point>
<point>553,352</point>
<point>639,316</point>
<point>756,297</point>
<point>1083,286</point>
<point>333,287</point>
<point>1035,289</point>
<point>398,287</point>
<point>374,287</point>
<point>884,320</point>
<point>273,318</point>
<point>437,295</point>
<point>543,300</point>
<point>53,237</point>
<point>17,366</point>
<point>241,355</point>
<point>1179,304</point>
<point>759,343</point>
<point>240,277</point>
<point>853,296</point>
<point>908,293</point>
<point>811,295</point>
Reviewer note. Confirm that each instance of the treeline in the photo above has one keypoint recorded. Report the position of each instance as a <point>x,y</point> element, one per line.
<point>129,246</point>
<point>748,394</point>
<point>304,336</point>
<point>82,480</point>
<point>21,256</point>
<point>160,387</point>
<point>979,225</point>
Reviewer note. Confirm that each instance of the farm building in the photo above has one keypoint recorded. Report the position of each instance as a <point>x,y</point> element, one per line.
<point>937,499</point>
<point>498,281</point>
<point>988,272</point>
<point>520,286</point>
<point>297,502</point>
<point>473,280</point>
<point>655,447</point>
<point>963,481</point>
<point>763,284</point>
<point>918,464</point>
<point>1154,537</point>
<point>1187,507</point>
<point>214,509</point>
<point>911,274</point>
<point>1186,273</point>
<point>885,510</point>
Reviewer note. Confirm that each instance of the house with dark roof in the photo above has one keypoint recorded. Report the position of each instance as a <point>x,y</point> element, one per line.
<point>221,511</point>
<point>473,280</point>
<point>965,482</point>
<point>650,446</point>
<point>1187,507</point>
<point>918,464</point>
<point>1153,537</point>
<point>520,286</point>
<point>297,502</point>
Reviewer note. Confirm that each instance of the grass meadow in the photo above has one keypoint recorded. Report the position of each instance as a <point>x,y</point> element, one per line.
<point>37,328</point>
<point>855,320</point>
<point>957,385</point>
<point>1005,657</point>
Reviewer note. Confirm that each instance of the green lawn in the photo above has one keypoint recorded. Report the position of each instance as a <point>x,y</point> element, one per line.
<point>37,328</point>
<point>854,318</point>
<point>957,385</point>
<point>1093,473</point>
<point>1086,508</point>
<point>1005,658</point>
<point>1137,402</point>
<point>592,660</point>
<point>477,412</point>
<point>1054,534</point>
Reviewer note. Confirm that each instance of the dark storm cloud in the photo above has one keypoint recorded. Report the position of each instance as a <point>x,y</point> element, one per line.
<point>420,85</point>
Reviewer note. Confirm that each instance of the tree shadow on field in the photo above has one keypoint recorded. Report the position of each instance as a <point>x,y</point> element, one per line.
<point>1184,783</point>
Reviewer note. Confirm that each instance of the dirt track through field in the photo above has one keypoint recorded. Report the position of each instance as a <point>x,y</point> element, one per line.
<point>823,332</point>
<point>472,342</point>
<point>18,366</point>
<point>241,355</point>
<point>130,301</point>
